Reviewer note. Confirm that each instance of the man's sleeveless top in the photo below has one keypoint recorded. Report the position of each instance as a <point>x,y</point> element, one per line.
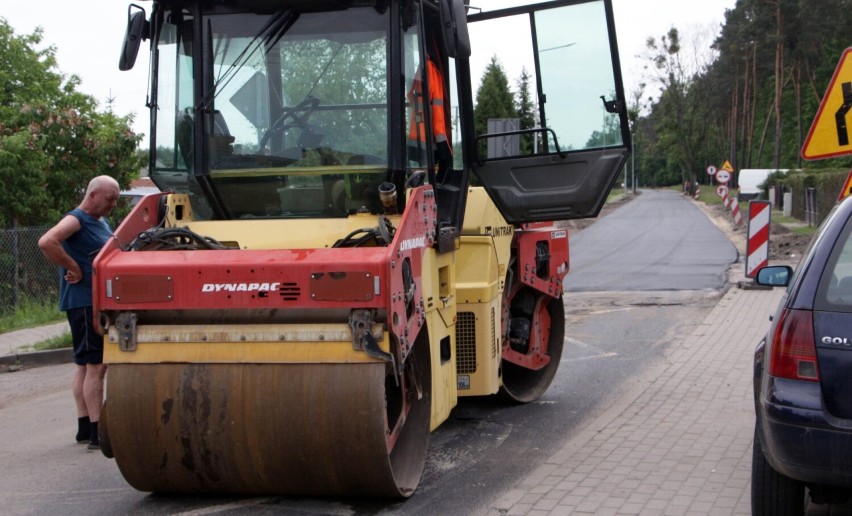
<point>82,246</point>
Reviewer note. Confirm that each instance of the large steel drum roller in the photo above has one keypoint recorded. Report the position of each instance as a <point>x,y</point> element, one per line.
<point>308,429</point>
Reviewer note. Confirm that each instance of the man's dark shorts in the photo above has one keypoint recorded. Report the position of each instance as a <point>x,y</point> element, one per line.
<point>88,344</point>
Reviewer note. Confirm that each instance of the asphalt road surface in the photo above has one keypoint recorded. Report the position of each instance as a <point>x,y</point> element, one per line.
<point>659,241</point>
<point>623,309</point>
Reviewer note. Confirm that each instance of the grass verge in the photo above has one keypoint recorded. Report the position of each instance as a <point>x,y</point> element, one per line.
<point>60,342</point>
<point>708,196</point>
<point>30,313</point>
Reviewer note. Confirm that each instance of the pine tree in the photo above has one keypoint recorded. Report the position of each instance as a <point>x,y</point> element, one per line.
<point>526,109</point>
<point>493,99</point>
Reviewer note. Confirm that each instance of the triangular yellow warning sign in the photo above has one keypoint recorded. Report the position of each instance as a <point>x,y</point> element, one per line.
<point>847,188</point>
<point>727,166</point>
<point>830,133</point>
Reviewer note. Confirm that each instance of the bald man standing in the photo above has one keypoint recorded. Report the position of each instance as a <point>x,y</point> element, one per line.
<point>73,244</point>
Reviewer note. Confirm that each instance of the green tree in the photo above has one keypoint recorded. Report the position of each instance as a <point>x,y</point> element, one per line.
<point>23,172</point>
<point>494,99</point>
<point>685,118</point>
<point>52,137</point>
<point>756,99</point>
<point>527,113</point>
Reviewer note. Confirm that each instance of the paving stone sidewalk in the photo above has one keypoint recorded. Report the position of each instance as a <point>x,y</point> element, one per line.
<point>678,444</point>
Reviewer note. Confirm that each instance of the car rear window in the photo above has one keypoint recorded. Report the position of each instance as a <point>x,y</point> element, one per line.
<point>835,291</point>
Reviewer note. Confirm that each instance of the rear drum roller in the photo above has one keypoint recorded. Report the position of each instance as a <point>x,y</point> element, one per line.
<point>103,433</point>
<point>290,429</point>
<point>536,327</point>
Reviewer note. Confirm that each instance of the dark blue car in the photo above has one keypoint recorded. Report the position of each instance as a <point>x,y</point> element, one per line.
<point>803,378</point>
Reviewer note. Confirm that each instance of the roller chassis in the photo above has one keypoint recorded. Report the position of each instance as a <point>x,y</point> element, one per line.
<point>313,293</point>
<point>377,311</point>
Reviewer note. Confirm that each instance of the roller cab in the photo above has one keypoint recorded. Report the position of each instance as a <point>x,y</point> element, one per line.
<point>319,281</point>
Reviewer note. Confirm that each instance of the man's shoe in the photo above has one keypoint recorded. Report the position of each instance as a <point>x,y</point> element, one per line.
<point>94,442</point>
<point>84,429</point>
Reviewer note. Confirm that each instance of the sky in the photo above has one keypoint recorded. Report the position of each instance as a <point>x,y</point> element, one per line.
<point>88,38</point>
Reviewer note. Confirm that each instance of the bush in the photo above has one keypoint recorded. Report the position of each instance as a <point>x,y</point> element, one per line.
<point>827,182</point>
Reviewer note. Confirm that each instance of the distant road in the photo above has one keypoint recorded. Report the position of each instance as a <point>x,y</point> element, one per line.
<point>658,241</point>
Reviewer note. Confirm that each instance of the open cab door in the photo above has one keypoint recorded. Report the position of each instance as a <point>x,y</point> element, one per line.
<point>562,165</point>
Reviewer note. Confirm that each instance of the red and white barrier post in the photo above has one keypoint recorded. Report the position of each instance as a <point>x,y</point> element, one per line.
<point>735,211</point>
<point>757,245</point>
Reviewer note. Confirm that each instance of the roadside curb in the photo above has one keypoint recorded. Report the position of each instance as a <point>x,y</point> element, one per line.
<point>38,358</point>
<point>16,347</point>
<point>751,285</point>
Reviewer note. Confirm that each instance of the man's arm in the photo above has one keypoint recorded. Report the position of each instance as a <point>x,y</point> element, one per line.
<point>51,245</point>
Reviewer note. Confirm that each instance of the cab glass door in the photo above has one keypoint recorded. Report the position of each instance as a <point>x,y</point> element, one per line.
<point>558,156</point>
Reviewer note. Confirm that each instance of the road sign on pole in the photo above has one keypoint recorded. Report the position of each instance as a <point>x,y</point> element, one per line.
<point>829,134</point>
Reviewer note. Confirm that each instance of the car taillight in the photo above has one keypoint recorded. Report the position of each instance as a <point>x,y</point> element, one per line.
<point>793,347</point>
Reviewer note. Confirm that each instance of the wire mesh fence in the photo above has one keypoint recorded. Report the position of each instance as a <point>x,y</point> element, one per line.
<point>25,274</point>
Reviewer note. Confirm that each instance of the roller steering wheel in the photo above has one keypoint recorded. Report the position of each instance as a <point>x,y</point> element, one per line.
<point>297,115</point>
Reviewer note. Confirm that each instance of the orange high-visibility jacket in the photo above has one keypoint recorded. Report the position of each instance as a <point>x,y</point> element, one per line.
<point>417,129</point>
